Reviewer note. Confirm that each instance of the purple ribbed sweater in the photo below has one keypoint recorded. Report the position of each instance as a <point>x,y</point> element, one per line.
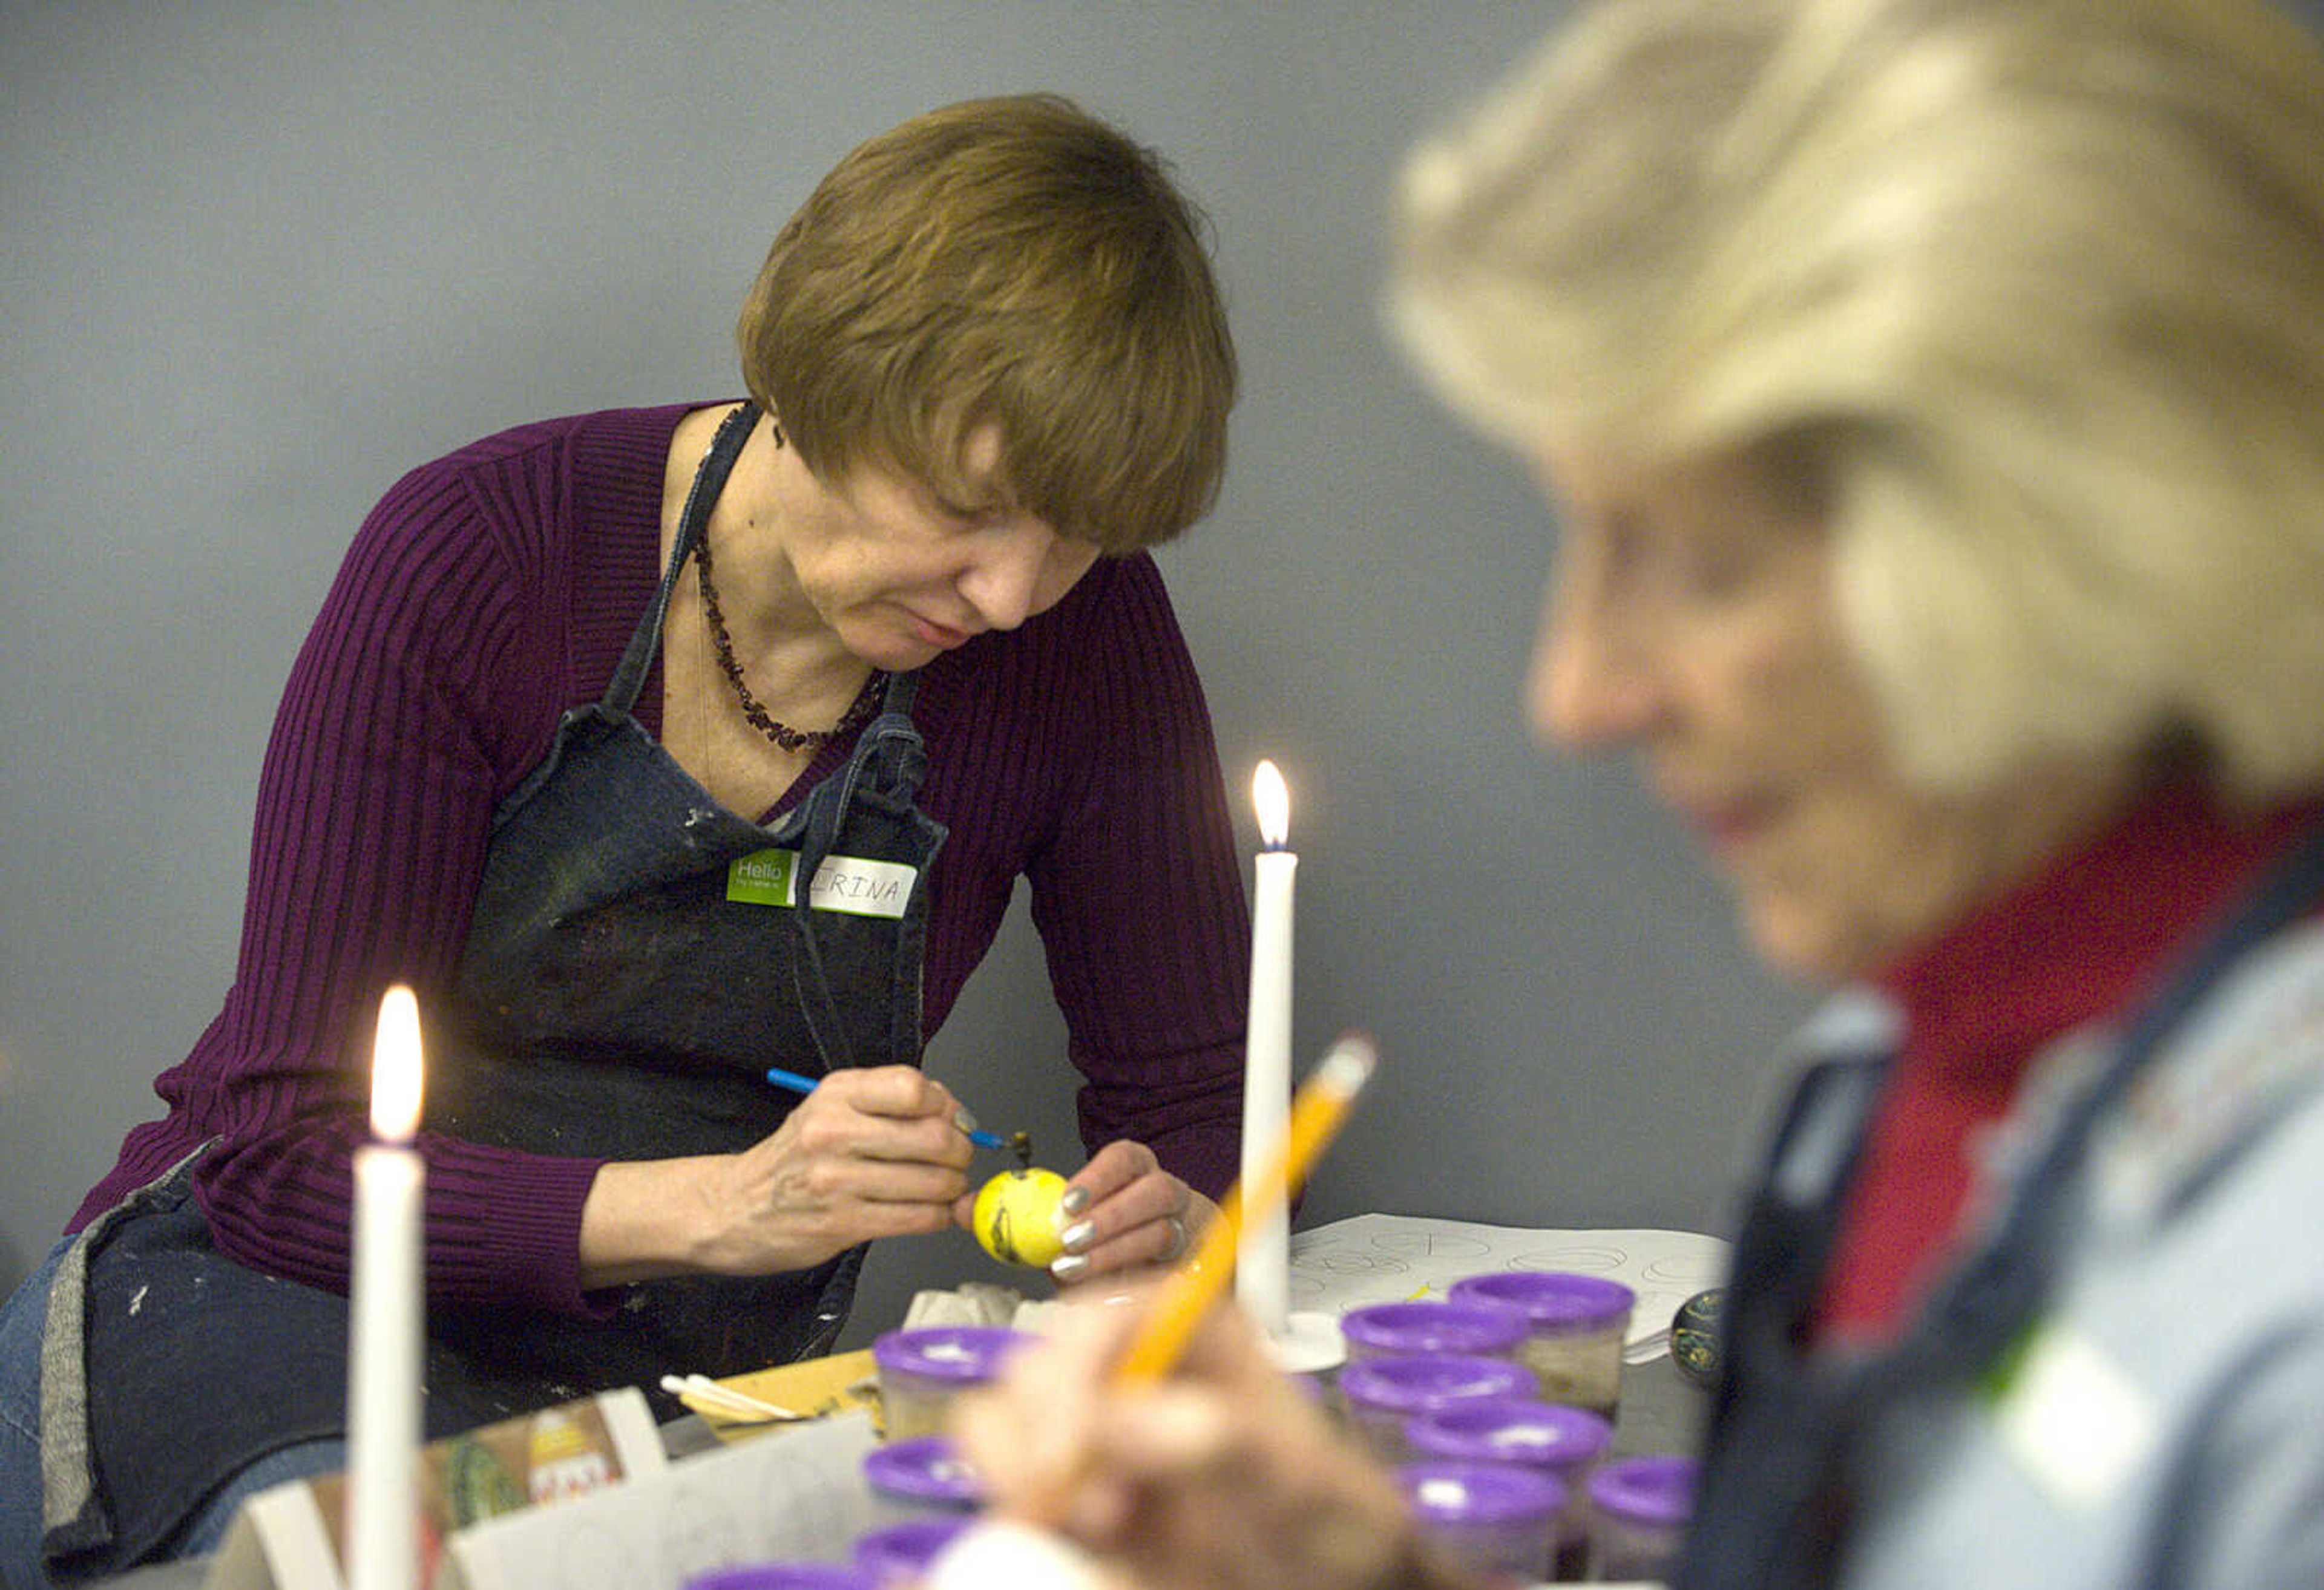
<point>492,590</point>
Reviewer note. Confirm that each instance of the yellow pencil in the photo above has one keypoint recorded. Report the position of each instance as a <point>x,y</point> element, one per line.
<point>1316,1117</point>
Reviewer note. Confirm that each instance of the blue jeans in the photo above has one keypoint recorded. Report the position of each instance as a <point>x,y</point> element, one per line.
<point>23,1319</point>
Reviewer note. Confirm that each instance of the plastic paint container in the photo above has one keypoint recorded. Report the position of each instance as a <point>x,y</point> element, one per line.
<point>1383,1395</point>
<point>1404,1330</point>
<point>901,1553</point>
<point>1560,1442</point>
<point>1496,1517</point>
<point>922,1371</point>
<point>1576,1325</point>
<point>1638,1512</point>
<point>923,1477</point>
<point>786,1576</point>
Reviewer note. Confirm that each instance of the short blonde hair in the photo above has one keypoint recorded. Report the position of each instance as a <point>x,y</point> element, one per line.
<point>1014,261</point>
<point>2038,285</point>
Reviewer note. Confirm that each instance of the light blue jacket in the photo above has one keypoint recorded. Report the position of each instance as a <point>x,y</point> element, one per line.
<point>2165,1428</point>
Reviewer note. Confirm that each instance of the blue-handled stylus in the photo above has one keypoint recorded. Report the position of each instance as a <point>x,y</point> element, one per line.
<point>799,1084</point>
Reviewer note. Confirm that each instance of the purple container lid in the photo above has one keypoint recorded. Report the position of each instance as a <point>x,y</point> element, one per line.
<point>905,1550</point>
<point>1446,1491</point>
<point>1657,1492</point>
<point>787,1576</point>
<point>1551,1300</point>
<point>1425,1382</point>
<point>1392,1330</point>
<point>961,1353</point>
<point>1511,1429</point>
<point>924,1468</point>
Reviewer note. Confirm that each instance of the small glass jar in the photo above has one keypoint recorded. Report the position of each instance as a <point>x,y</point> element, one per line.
<point>924,1477</point>
<point>922,1371</point>
<point>1497,1518</point>
<point>1638,1513</point>
<point>787,1576</point>
<point>900,1553</point>
<point>1405,1330</point>
<point>1575,1328</point>
<point>1560,1442</point>
<point>1381,1395</point>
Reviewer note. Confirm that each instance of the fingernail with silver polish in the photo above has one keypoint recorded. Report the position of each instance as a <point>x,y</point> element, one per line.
<point>1076,1237</point>
<point>1066,1268</point>
<point>1075,1200</point>
<point>964,1120</point>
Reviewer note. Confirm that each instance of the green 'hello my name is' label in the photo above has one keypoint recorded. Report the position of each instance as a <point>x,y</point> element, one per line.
<point>852,883</point>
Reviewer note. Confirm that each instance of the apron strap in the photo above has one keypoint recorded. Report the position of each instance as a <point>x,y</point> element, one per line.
<point>1774,1416</point>
<point>693,523</point>
<point>885,766</point>
<point>76,1516</point>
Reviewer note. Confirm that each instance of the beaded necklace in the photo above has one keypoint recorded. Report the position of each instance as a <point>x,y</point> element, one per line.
<point>764,722</point>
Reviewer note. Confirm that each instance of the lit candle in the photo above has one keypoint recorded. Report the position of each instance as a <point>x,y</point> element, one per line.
<point>387,1302</point>
<point>1263,1255</point>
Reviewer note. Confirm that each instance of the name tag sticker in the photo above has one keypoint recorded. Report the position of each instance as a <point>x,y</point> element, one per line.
<point>2073,1418</point>
<point>852,883</point>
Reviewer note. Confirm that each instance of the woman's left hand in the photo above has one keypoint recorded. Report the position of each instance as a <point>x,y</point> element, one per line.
<point>1124,1213</point>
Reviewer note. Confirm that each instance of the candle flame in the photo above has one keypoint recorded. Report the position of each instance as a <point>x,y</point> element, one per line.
<point>1272,796</point>
<point>395,1068</point>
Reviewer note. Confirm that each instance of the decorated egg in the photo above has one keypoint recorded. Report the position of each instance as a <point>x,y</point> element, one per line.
<point>1017,1218</point>
<point>1694,1337</point>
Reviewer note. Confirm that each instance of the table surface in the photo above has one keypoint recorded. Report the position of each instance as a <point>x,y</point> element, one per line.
<point>1661,1411</point>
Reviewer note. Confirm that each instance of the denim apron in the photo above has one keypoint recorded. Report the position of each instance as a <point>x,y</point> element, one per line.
<point>1771,1509</point>
<point>630,973</point>
<point>638,957</point>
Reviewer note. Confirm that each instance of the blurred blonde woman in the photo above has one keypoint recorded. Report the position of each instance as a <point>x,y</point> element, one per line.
<point>1928,392</point>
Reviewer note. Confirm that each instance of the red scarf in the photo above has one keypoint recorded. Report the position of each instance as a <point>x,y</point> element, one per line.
<point>2079,939</point>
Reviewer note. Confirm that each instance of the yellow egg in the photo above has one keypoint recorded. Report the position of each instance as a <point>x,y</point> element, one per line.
<point>1017,1219</point>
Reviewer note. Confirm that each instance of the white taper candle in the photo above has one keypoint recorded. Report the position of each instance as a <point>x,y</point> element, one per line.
<point>387,1300</point>
<point>1263,1256</point>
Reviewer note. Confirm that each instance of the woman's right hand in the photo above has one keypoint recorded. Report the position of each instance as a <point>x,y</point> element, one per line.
<point>873,1152</point>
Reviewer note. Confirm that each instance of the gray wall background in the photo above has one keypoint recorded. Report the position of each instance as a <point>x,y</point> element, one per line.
<point>260,259</point>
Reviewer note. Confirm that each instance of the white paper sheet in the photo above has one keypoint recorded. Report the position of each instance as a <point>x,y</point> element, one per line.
<point>1390,1258</point>
<point>794,1495</point>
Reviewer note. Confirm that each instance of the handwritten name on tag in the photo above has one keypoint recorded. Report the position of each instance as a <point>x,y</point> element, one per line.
<point>853,884</point>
